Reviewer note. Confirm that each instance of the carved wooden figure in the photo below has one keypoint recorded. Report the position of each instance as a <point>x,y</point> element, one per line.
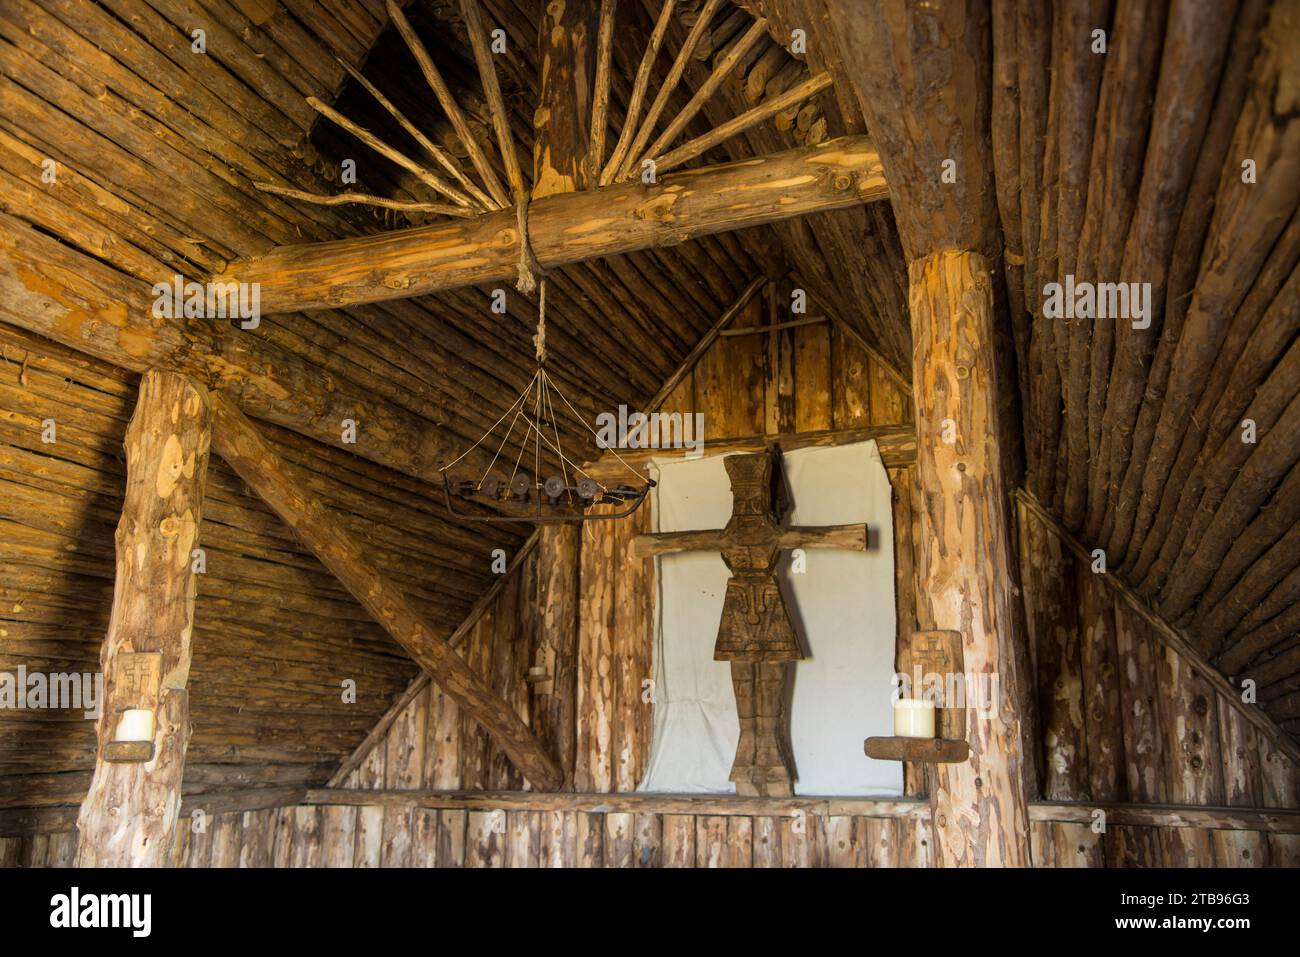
<point>756,634</point>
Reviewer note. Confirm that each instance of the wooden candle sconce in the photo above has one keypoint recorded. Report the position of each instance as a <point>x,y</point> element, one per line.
<point>935,652</point>
<point>138,678</point>
<point>541,674</point>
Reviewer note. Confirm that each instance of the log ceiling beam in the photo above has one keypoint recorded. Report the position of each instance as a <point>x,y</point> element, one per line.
<point>50,289</point>
<point>129,816</point>
<point>566,228</point>
<point>239,443</point>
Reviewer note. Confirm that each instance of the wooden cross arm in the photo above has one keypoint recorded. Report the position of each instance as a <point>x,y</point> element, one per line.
<point>645,546</point>
<point>850,537</point>
<point>853,538</point>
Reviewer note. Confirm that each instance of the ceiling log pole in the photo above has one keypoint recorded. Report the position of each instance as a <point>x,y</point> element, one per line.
<point>721,70</point>
<point>632,118</point>
<point>448,103</point>
<point>567,228</point>
<point>129,817</point>
<point>922,76</point>
<point>733,127</point>
<point>666,89</point>
<point>487,72</point>
<point>239,443</point>
<point>600,93</point>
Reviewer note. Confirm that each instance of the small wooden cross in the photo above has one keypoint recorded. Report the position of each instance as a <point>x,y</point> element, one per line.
<point>138,677</point>
<point>756,634</point>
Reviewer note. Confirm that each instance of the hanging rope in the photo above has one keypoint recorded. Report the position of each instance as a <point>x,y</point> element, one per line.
<point>532,278</point>
<point>539,337</point>
<point>531,275</point>
<point>528,268</point>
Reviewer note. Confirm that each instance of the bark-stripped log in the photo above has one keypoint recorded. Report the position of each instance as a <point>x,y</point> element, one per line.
<point>980,811</point>
<point>914,60</point>
<point>567,228</point>
<point>129,817</point>
<point>557,641</point>
<point>258,464</point>
<point>565,38</point>
<point>1052,617</point>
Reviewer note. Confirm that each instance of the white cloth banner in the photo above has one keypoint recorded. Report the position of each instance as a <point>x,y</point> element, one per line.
<point>843,611</point>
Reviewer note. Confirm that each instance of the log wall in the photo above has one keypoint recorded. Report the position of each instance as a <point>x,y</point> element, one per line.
<point>1124,715</point>
<point>805,379</point>
<point>1187,746</point>
<point>317,836</point>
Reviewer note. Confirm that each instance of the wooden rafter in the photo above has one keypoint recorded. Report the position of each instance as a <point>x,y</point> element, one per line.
<point>721,71</point>
<point>600,98</point>
<point>449,104</point>
<point>469,11</point>
<point>425,176</point>
<point>365,199</point>
<point>769,108</point>
<point>621,148</point>
<point>479,197</point>
<point>669,85</point>
<point>238,442</point>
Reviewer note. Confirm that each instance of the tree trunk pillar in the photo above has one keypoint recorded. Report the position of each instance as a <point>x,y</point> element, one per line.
<point>980,807</point>
<point>129,816</point>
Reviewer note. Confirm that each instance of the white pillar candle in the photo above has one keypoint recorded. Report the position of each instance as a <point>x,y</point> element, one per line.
<point>135,724</point>
<point>913,718</point>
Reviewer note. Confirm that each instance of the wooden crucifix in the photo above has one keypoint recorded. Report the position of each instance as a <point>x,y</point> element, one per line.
<point>756,634</point>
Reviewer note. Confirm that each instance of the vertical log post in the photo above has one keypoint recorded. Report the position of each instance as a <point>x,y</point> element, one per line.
<point>566,41</point>
<point>922,74</point>
<point>980,807</point>
<point>555,706</point>
<point>129,817</point>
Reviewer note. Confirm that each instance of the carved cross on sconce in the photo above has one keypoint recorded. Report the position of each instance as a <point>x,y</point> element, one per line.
<point>756,634</point>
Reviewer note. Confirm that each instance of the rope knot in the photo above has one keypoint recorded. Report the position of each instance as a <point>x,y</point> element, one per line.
<point>539,338</point>
<point>531,276</point>
<point>528,268</point>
